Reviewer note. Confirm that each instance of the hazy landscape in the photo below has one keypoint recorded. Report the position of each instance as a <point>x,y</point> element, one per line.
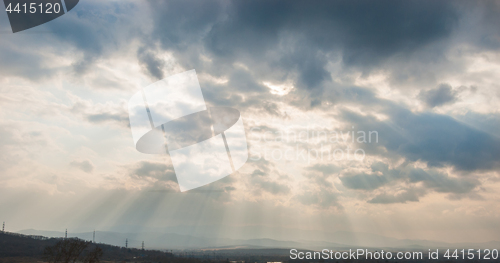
<point>338,240</point>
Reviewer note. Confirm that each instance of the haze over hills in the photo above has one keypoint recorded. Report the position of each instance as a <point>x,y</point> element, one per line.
<point>337,240</point>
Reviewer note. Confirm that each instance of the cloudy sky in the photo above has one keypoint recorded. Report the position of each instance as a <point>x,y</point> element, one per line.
<point>423,76</point>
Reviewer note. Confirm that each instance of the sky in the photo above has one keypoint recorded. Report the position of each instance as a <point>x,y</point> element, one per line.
<point>364,116</point>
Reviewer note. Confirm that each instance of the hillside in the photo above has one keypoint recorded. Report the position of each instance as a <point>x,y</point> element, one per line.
<point>29,248</point>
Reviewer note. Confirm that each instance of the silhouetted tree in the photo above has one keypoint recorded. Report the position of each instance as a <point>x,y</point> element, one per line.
<point>72,250</point>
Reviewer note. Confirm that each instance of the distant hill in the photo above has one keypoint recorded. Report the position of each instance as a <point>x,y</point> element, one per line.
<point>337,240</point>
<point>179,242</point>
<point>17,245</point>
<point>29,248</point>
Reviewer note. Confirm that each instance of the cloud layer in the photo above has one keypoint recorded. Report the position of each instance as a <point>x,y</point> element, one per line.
<point>422,74</point>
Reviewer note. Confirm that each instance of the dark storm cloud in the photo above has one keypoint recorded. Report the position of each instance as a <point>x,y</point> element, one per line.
<point>430,179</point>
<point>436,139</point>
<point>443,94</point>
<point>277,40</point>
<point>483,28</point>
<point>293,40</point>
<point>310,64</point>
<point>367,30</point>
<point>152,64</point>
<point>489,123</point>
<point>181,24</point>
<point>295,37</point>
<point>443,183</point>
<point>79,29</point>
